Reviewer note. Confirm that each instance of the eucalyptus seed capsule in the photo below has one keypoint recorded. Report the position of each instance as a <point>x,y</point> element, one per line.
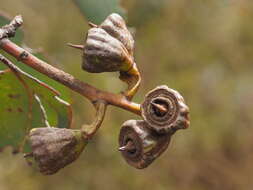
<point>164,110</point>
<point>140,145</point>
<point>104,53</point>
<point>54,148</point>
<point>109,48</point>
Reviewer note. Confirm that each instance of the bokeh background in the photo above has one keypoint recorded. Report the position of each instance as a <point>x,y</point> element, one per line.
<point>202,48</point>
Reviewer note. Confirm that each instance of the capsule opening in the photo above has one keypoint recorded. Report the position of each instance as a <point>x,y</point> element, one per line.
<point>160,107</point>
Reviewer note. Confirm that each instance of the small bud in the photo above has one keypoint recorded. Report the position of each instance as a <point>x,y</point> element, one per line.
<point>54,148</point>
<point>109,47</point>
<point>164,110</point>
<point>139,145</point>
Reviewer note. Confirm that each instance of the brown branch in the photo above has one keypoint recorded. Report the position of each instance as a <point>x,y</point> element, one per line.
<point>9,30</point>
<point>88,91</point>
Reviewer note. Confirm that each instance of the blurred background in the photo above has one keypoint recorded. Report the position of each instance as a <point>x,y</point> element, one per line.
<point>202,48</point>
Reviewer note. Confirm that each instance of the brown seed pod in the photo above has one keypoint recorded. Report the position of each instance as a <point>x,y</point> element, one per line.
<point>104,53</point>
<point>54,148</point>
<point>164,110</point>
<point>139,145</point>
<point>109,48</point>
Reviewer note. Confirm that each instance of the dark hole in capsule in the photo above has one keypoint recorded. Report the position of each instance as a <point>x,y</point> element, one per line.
<point>159,107</point>
<point>130,148</point>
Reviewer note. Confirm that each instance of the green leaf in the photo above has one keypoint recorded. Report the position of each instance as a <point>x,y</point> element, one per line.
<point>61,113</point>
<point>97,11</point>
<point>15,111</point>
<point>21,111</point>
<point>26,102</point>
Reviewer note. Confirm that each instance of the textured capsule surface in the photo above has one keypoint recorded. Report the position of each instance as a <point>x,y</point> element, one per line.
<point>108,47</point>
<point>165,111</point>
<point>146,145</point>
<point>115,25</point>
<point>54,148</point>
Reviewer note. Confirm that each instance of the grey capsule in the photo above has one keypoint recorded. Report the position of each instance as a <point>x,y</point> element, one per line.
<point>54,148</point>
<point>104,53</point>
<point>109,48</point>
<point>140,145</point>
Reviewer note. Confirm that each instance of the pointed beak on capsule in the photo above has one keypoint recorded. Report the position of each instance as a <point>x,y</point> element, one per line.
<point>92,25</point>
<point>81,47</point>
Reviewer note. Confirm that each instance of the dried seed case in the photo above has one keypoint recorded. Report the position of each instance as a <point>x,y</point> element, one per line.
<point>164,110</point>
<point>109,47</point>
<point>146,144</point>
<point>54,148</point>
<point>104,53</point>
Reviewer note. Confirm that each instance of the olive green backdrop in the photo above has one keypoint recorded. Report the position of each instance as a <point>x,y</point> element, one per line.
<point>202,48</point>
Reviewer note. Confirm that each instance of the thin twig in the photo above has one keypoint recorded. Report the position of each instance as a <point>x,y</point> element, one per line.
<point>9,30</point>
<point>43,110</point>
